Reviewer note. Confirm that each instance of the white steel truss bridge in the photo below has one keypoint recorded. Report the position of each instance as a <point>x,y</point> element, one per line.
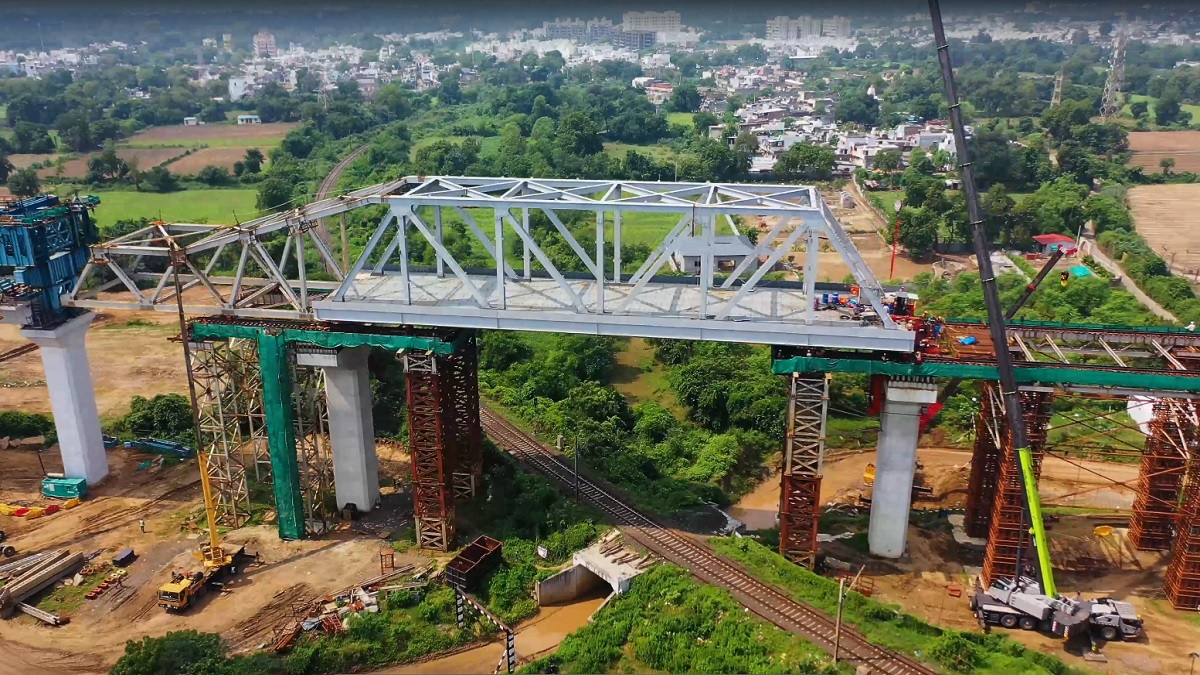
<point>229,269</point>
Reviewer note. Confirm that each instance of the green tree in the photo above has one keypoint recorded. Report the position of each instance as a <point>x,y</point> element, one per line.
<point>1166,164</point>
<point>685,98</point>
<point>274,194</point>
<point>24,182</point>
<point>74,131</point>
<point>213,175</point>
<point>888,160</point>
<point>998,214</point>
<point>253,160</point>
<point>160,179</point>
<point>1168,110</point>
<point>6,167</point>
<point>806,161</point>
<point>167,416</point>
<point>578,135</point>
<point>172,654</point>
<point>1139,109</point>
<point>921,161</point>
<point>918,230</point>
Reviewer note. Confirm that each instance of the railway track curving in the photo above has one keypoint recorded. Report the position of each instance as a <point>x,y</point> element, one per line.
<point>763,599</point>
<point>327,186</point>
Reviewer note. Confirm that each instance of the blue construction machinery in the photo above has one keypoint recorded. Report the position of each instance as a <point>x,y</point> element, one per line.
<point>45,241</point>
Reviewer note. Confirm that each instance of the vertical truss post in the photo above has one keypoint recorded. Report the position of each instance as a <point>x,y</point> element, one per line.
<point>985,464</point>
<point>437,232</point>
<point>1006,534</point>
<point>800,479</point>
<point>281,437</point>
<point>526,255</point>
<point>217,398</point>
<point>429,439</point>
<point>501,293</point>
<point>462,380</point>
<point>312,441</point>
<point>1163,463</point>
<point>599,262</point>
<point>1182,580</point>
<point>617,246</point>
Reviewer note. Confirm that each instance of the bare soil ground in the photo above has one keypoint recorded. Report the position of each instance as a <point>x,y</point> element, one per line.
<point>875,252</point>
<point>20,161</point>
<point>1168,218</point>
<point>1151,147</point>
<point>205,132</point>
<point>146,158</point>
<point>199,159</point>
<point>1089,564</point>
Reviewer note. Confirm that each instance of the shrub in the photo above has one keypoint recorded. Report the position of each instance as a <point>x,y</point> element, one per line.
<point>17,424</point>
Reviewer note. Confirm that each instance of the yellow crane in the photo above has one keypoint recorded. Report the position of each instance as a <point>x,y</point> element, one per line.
<point>179,593</point>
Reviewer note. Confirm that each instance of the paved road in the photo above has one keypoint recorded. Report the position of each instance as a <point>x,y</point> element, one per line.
<point>327,186</point>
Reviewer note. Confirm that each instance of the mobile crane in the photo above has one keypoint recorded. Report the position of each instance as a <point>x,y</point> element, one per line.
<point>1022,601</point>
<point>180,593</point>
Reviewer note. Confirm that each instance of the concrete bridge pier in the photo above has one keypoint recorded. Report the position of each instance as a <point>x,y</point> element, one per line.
<point>72,397</point>
<point>895,464</point>
<point>351,424</point>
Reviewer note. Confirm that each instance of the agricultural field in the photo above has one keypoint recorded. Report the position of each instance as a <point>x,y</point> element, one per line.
<point>146,158</point>
<point>1151,147</point>
<point>212,135</point>
<point>1168,218</point>
<point>1134,98</point>
<point>20,161</point>
<point>224,156</point>
<point>196,206</point>
<point>661,153</point>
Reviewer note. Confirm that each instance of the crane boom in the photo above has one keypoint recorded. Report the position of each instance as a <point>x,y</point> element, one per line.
<point>1013,412</point>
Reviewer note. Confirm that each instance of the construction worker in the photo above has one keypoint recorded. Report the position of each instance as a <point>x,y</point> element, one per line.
<point>142,524</point>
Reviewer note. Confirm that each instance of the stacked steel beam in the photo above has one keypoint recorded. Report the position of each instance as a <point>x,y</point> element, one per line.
<point>1182,580</point>
<point>985,466</point>
<point>800,480</point>
<point>431,444</point>
<point>1006,535</point>
<point>1161,477</point>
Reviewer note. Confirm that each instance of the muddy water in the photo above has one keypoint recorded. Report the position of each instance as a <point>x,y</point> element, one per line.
<point>759,508</point>
<point>536,637</point>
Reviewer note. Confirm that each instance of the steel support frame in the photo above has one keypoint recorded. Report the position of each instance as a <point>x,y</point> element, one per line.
<point>462,378</point>
<point>221,402</point>
<point>985,464</point>
<point>431,438</point>
<point>1172,438</point>
<point>312,440</point>
<point>800,477</point>
<point>1182,580</point>
<point>1005,531</point>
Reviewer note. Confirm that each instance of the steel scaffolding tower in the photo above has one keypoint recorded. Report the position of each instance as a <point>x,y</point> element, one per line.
<point>800,479</point>
<point>1007,535</point>
<point>1172,432</point>
<point>227,426</point>
<point>985,463</point>
<point>1182,580</point>
<point>431,438</point>
<point>312,440</point>
<point>462,377</point>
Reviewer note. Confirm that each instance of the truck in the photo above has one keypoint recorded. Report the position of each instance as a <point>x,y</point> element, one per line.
<point>184,588</point>
<point>1012,603</point>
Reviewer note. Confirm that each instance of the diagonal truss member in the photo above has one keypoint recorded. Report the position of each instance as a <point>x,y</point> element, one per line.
<point>800,479</point>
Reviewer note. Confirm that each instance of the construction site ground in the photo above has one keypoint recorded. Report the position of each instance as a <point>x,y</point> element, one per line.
<point>1086,563</point>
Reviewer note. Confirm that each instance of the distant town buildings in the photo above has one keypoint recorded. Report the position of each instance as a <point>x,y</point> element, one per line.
<point>636,39</point>
<point>227,41</point>
<point>580,30</point>
<point>240,87</point>
<point>804,28</point>
<point>655,22</point>
<point>264,44</point>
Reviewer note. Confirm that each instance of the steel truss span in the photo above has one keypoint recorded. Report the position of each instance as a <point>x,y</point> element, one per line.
<point>262,268</point>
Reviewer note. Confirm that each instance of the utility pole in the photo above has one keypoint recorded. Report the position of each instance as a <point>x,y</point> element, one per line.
<point>837,626</point>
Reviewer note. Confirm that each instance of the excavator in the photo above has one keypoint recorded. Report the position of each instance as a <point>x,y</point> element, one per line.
<point>181,592</point>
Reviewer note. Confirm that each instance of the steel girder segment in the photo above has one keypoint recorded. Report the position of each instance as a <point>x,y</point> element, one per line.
<point>1172,432</point>
<point>1006,534</point>
<point>800,479</point>
<point>431,440</point>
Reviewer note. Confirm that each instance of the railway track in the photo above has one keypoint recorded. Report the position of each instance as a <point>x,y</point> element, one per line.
<point>762,599</point>
<point>328,185</point>
<point>17,351</point>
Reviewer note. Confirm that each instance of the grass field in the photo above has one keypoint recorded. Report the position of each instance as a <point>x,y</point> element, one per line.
<point>488,145</point>
<point>1134,98</point>
<point>195,206</point>
<point>680,118</point>
<point>661,153</point>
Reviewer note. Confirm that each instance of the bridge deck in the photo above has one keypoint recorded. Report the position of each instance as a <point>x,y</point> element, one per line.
<point>659,309</point>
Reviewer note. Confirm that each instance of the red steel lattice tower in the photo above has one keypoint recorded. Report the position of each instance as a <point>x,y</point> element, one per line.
<point>800,479</point>
<point>1005,535</point>
<point>462,376</point>
<point>431,443</point>
<point>985,465</point>
<point>1182,580</point>
<point>1163,462</point>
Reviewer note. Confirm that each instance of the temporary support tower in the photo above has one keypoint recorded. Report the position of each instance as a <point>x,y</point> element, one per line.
<point>431,438</point>
<point>1172,431</point>
<point>800,479</point>
<point>228,424</point>
<point>312,439</point>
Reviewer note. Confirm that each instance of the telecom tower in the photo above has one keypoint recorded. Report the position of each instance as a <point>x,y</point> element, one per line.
<point>1111,104</point>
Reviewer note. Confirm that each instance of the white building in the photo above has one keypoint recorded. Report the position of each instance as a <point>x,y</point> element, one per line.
<point>655,22</point>
<point>788,30</point>
<point>240,87</point>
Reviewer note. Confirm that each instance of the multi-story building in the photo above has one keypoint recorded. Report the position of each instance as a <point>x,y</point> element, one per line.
<point>264,43</point>
<point>566,29</point>
<point>636,39</point>
<point>836,27</point>
<point>801,28</point>
<point>227,41</point>
<point>655,22</point>
<point>602,29</point>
